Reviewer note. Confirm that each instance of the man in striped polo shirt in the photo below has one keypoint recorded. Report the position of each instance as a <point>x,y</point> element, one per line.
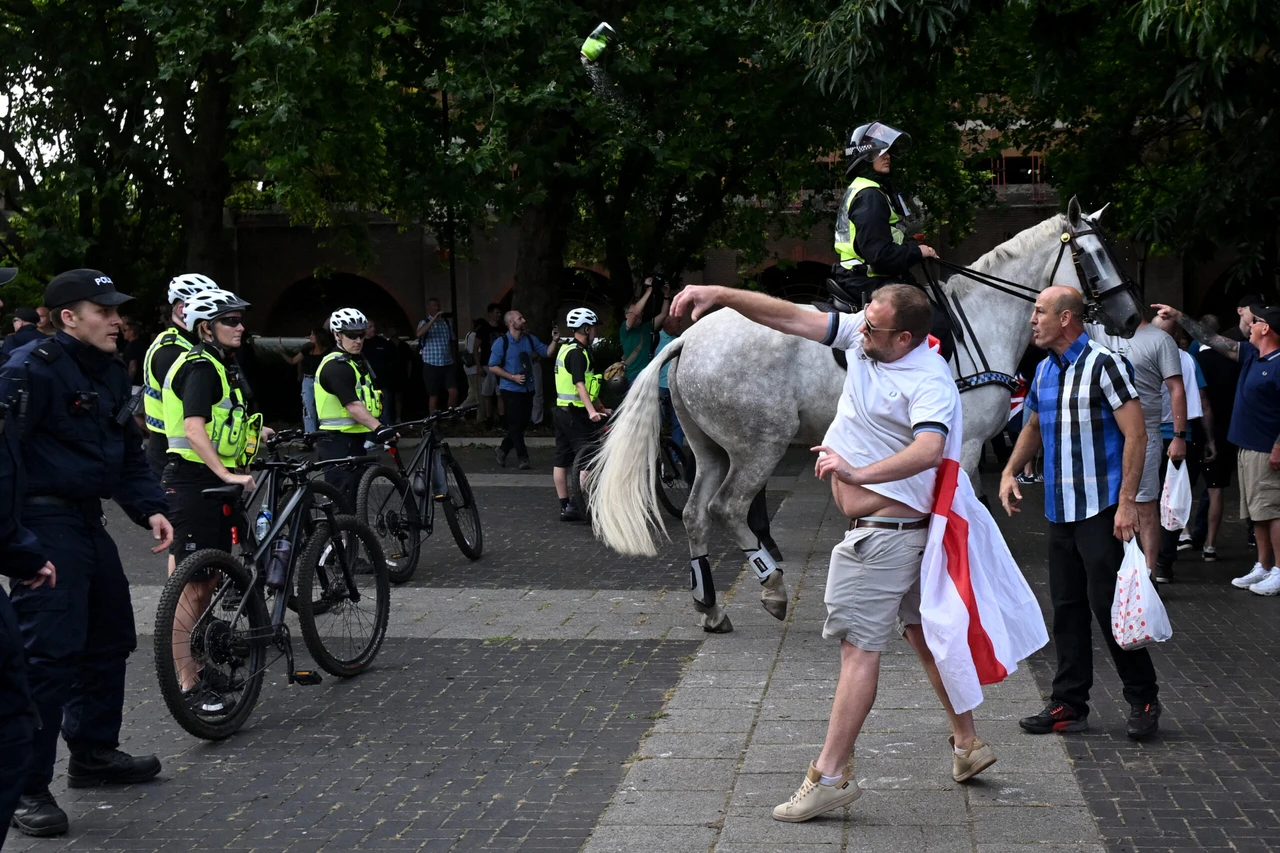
<point>1084,407</point>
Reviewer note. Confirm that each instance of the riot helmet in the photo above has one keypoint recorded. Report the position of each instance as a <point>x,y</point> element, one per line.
<point>869,141</point>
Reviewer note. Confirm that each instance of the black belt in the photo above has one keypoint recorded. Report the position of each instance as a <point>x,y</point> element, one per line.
<point>917,524</point>
<point>66,503</point>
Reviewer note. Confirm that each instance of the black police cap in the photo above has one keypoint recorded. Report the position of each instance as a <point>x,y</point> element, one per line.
<point>75,285</point>
<point>27,315</point>
<point>7,274</point>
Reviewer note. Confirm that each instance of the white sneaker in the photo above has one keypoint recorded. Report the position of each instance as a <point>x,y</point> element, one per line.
<point>1256,574</point>
<point>814,798</point>
<point>1269,586</point>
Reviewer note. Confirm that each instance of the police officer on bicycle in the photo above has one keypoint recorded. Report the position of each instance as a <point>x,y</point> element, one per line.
<point>348,403</point>
<point>578,409</point>
<point>871,227</point>
<point>210,433</point>
<point>168,346</point>
<point>79,444</point>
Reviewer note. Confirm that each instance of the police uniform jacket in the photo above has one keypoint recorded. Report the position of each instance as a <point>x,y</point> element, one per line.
<point>74,445</point>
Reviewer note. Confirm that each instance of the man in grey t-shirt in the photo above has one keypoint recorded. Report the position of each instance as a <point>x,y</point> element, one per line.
<point>1153,356</point>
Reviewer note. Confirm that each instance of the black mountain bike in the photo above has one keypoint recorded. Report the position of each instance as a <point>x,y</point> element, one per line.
<point>220,616</point>
<point>675,470</point>
<point>398,501</point>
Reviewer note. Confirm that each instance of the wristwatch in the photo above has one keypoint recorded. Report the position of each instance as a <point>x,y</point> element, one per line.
<point>1180,433</point>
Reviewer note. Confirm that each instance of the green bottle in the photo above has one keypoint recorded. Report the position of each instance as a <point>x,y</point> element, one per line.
<point>595,45</point>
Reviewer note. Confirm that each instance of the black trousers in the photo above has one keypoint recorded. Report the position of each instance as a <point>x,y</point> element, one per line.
<point>519,406</point>
<point>339,445</point>
<point>1084,557</point>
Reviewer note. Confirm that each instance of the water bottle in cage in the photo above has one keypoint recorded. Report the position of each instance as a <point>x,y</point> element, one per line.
<point>279,563</point>
<point>263,524</point>
<point>439,484</point>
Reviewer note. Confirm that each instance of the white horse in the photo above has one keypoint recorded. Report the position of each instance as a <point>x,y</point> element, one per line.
<point>744,392</point>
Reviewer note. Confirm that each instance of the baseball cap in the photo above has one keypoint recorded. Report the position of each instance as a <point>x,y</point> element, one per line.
<point>1269,315</point>
<point>75,285</point>
<point>27,315</point>
<point>1250,300</point>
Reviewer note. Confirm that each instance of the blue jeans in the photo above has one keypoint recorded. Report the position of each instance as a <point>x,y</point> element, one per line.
<point>669,415</point>
<point>309,422</point>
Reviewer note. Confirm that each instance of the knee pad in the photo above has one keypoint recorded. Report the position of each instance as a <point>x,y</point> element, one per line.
<point>761,562</point>
<point>702,585</point>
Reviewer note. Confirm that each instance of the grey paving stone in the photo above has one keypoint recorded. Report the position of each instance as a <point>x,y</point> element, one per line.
<point>908,839</point>
<point>761,828</point>
<point>681,774</point>
<point>702,745</point>
<point>648,839</point>
<point>718,721</point>
<point>1070,824</point>
<point>665,808</point>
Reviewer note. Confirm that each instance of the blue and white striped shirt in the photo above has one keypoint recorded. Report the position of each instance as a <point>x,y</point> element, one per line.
<point>1076,395</point>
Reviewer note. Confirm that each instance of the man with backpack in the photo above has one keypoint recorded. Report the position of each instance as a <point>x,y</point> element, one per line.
<point>511,360</point>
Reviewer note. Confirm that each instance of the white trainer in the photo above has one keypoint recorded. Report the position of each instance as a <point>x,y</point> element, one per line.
<point>813,798</point>
<point>1256,574</point>
<point>1268,586</point>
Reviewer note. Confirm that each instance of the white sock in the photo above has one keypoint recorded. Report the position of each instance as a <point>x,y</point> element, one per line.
<point>960,751</point>
<point>829,781</point>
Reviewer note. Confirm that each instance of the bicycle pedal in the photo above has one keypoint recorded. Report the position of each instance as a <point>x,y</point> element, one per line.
<point>307,677</point>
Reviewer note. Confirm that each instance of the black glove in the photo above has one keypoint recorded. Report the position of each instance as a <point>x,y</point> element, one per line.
<point>384,434</point>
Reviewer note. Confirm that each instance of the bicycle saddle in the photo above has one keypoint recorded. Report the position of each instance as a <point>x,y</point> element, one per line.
<point>227,494</point>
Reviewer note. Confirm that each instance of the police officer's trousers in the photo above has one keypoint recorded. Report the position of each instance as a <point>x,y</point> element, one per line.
<point>16,721</point>
<point>78,635</point>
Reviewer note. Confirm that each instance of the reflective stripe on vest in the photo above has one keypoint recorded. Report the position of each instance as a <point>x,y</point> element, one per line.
<point>847,231</point>
<point>330,413</point>
<point>566,389</point>
<point>152,397</point>
<point>232,431</point>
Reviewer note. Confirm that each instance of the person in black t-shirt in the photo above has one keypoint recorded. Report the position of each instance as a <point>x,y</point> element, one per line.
<point>308,360</point>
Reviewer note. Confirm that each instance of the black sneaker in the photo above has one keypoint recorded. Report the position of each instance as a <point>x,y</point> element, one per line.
<point>1056,717</point>
<point>1164,574</point>
<point>39,816</point>
<point>109,767</point>
<point>570,513</point>
<point>1143,720</point>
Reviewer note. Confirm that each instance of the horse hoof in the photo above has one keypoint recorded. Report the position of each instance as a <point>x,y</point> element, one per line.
<point>773,596</point>
<point>716,622</point>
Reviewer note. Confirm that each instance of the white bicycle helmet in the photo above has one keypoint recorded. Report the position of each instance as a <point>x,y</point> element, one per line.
<point>208,304</point>
<point>183,287</point>
<point>348,320</point>
<point>580,317</point>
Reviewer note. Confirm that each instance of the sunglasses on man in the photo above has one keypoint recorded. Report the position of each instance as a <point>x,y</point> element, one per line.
<point>353,334</point>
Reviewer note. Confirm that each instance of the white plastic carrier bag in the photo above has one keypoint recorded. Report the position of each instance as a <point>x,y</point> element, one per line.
<point>1175,500</point>
<point>1138,617</point>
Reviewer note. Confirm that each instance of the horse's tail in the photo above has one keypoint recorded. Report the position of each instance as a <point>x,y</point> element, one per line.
<point>621,486</point>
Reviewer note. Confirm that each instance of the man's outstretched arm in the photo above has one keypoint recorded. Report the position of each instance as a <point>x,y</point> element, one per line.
<point>761,308</point>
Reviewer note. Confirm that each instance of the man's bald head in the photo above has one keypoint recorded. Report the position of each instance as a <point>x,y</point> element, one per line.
<point>1066,299</point>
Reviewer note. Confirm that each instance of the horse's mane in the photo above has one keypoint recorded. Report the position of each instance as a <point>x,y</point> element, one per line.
<point>1019,244</point>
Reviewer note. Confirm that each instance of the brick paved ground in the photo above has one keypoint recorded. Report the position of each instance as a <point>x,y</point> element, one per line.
<point>444,745</point>
<point>1211,780</point>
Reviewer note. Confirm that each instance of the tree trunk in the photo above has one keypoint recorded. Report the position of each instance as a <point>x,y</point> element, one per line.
<point>544,232</point>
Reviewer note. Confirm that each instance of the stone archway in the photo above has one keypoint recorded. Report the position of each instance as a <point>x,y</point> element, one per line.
<point>308,303</point>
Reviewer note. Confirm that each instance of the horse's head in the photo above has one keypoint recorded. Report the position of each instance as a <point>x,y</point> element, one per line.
<point>1113,297</point>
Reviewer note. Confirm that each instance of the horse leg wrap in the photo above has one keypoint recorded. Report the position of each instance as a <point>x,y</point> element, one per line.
<point>762,562</point>
<point>702,584</point>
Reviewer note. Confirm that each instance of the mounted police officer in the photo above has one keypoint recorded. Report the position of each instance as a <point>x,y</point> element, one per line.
<point>578,409</point>
<point>79,445</point>
<point>210,433</point>
<point>168,346</point>
<point>871,227</point>
<point>348,403</point>
<point>21,559</point>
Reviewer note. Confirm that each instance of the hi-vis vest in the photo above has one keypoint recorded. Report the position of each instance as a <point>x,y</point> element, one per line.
<point>846,231</point>
<point>332,414</point>
<point>152,385</point>
<point>232,431</point>
<point>566,390</point>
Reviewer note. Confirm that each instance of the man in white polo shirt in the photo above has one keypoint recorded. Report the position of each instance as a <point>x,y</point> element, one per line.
<point>881,454</point>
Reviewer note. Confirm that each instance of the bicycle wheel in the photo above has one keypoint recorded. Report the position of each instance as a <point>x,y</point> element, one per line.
<point>387,504</point>
<point>344,596</point>
<point>674,477</point>
<point>199,638</point>
<point>581,464</point>
<point>460,509</point>
<point>321,492</point>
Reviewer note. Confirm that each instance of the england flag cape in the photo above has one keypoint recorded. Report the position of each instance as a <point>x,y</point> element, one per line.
<point>978,613</point>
